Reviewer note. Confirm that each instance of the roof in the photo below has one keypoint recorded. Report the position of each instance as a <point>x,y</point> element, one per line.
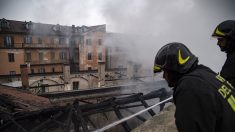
<point>22,100</point>
<point>16,27</point>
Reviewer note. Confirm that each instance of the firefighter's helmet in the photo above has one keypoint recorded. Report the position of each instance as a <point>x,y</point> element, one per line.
<point>174,57</point>
<point>225,29</point>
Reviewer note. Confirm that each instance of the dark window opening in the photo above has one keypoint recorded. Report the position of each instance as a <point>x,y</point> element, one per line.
<point>28,40</point>
<point>100,41</point>
<point>39,40</point>
<point>89,68</point>
<point>75,85</point>
<point>32,71</point>
<point>76,56</point>
<point>88,41</point>
<point>100,56</point>
<point>11,57</point>
<point>8,41</point>
<point>52,55</point>
<point>63,55</point>
<point>12,72</point>
<point>52,40</point>
<point>40,56</point>
<point>62,41</point>
<point>28,57</point>
<point>53,69</point>
<point>89,56</point>
<point>41,70</point>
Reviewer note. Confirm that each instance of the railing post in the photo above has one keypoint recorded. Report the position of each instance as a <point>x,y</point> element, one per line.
<point>151,112</point>
<point>119,115</point>
<point>79,117</point>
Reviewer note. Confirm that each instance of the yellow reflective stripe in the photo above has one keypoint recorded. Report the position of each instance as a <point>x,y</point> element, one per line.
<point>218,32</point>
<point>220,78</point>
<point>231,101</point>
<point>181,60</point>
<point>156,68</point>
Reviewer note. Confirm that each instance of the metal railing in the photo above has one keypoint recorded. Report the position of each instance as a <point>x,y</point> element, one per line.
<point>35,45</point>
<point>131,116</point>
<point>47,61</point>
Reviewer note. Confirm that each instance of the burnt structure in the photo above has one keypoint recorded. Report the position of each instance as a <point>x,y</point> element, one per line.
<point>21,111</point>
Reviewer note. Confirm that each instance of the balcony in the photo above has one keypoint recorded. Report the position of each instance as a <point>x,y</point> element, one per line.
<point>46,62</point>
<point>34,46</point>
<point>11,46</point>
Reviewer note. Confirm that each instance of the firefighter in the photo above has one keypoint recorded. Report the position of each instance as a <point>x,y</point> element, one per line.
<point>205,101</point>
<point>225,34</point>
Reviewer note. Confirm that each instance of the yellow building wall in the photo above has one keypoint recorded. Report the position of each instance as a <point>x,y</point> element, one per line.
<point>95,48</point>
<point>1,40</point>
<point>7,66</point>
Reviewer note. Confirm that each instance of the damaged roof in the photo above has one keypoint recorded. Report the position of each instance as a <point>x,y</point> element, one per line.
<point>15,100</point>
<point>12,26</point>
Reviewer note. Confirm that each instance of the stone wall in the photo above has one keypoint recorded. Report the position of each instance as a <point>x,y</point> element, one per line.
<point>163,122</point>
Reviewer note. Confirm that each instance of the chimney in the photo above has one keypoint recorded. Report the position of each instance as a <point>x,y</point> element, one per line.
<point>24,76</point>
<point>101,74</point>
<point>73,28</point>
<point>130,70</point>
<point>66,72</point>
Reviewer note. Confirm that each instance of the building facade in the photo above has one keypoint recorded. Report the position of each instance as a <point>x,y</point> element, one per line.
<point>46,48</point>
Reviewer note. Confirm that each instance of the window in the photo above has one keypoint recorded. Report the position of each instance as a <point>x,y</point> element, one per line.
<point>75,85</point>
<point>88,41</point>
<point>40,55</point>
<point>89,57</point>
<point>52,55</point>
<point>32,71</point>
<point>39,40</point>
<point>28,57</point>
<point>100,42</point>
<point>76,56</point>
<point>52,40</point>
<point>41,70</point>
<point>53,69</point>
<point>28,40</point>
<point>89,68</point>
<point>100,56</point>
<point>56,40</point>
<point>8,41</point>
<point>72,42</point>
<point>62,41</point>
<point>12,72</point>
<point>11,57</point>
<point>63,56</point>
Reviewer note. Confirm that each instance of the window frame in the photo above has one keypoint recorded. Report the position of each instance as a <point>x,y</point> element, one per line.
<point>11,57</point>
<point>76,83</point>
<point>28,56</point>
<point>89,56</point>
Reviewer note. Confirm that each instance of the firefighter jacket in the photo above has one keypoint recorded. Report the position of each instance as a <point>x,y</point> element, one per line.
<point>228,69</point>
<point>204,101</point>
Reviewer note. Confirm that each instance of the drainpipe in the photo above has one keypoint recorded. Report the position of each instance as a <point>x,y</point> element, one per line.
<point>101,74</point>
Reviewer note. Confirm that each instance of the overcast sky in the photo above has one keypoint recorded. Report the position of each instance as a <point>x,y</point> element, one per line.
<point>153,22</point>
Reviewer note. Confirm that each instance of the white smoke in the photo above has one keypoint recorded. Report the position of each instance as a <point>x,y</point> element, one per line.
<point>151,23</point>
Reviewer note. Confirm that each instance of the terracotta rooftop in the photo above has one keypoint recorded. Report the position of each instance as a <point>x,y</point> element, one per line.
<point>21,100</point>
